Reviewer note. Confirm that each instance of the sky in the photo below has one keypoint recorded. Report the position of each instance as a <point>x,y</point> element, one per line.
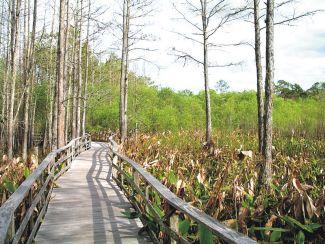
<point>299,49</point>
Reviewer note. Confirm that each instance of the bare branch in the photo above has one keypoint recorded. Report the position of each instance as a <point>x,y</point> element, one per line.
<point>294,18</point>
<point>181,55</point>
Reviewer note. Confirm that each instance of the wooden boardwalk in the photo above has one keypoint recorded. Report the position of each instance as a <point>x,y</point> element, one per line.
<point>86,206</point>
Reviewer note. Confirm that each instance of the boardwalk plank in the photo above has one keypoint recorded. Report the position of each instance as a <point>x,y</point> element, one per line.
<point>86,206</point>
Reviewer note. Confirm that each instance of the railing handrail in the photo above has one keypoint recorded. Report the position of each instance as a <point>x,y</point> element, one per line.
<point>219,229</point>
<point>8,209</point>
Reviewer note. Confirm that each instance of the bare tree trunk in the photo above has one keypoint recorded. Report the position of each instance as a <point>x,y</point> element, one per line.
<point>13,71</point>
<point>86,74</point>
<point>55,117</point>
<point>29,73</point>
<point>27,85</point>
<point>75,75</point>
<point>208,123</point>
<point>52,92</point>
<point>126,82</point>
<point>68,110</point>
<point>124,67</point>
<point>32,126</point>
<point>79,87</point>
<point>70,98</point>
<point>60,76</point>
<point>4,111</point>
<point>269,80</point>
<point>259,75</point>
<point>66,75</point>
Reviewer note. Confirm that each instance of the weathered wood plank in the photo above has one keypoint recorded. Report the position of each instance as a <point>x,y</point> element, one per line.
<point>8,209</point>
<point>87,206</point>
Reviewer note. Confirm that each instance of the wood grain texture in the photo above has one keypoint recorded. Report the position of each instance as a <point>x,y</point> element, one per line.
<point>87,205</point>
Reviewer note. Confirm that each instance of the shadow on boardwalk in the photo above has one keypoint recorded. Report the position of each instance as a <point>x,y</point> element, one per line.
<point>87,206</point>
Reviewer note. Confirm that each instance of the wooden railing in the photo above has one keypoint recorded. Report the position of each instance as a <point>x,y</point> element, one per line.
<point>159,209</point>
<point>22,213</point>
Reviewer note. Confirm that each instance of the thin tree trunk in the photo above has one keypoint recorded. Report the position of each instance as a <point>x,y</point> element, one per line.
<point>75,75</point>
<point>60,76</point>
<point>32,126</point>
<point>123,78</point>
<point>269,80</point>
<point>126,88</point>
<point>86,74</point>
<point>52,87</point>
<point>29,72</point>
<point>25,77</point>
<point>55,117</point>
<point>79,88</point>
<point>4,110</point>
<point>66,75</point>
<point>259,75</point>
<point>13,72</point>
<point>208,123</point>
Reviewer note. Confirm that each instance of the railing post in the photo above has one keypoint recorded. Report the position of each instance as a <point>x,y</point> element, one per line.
<point>173,221</point>
<point>73,150</point>
<point>121,167</point>
<point>78,147</point>
<point>30,202</point>
<point>147,198</point>
<point>88,142</point>
<point>114,162</point>
<point>136,177</point>
<point>69,155</point>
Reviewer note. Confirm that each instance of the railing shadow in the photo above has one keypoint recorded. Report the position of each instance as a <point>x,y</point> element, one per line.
<point>106,193</point>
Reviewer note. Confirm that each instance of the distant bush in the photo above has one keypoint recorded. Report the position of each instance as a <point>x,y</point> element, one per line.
<point>159,109</point>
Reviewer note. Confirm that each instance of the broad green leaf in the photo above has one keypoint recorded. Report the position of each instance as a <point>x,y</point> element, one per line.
<point>269,229</point>
<point>314,226</point>
<point>250,199</point>
<point>300,238</point>
<point>275,236</point>
<point>184,226</point>
<point>172,178</point>
<point>157,198</point>
<point>131,214</point>
<point>10,186</point>
<point>26,172</point>
<point>296,223</point>
<point>158,210</point>
<point>205,235</point>
<point>152,225</point>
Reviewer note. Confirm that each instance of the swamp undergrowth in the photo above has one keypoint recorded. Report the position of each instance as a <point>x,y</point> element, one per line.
<point>222,181</point>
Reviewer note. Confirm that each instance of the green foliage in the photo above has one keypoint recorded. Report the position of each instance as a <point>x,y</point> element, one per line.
<point>26,172</point>
<point>172,178</point>
<point>153,109</point>
<point>131,214</point>
<point>300,238</point>
<point>205,235</point>
<point>10,186</point>
<point>184,227</point>
<point>303,227</point>
<point>287,90</point>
